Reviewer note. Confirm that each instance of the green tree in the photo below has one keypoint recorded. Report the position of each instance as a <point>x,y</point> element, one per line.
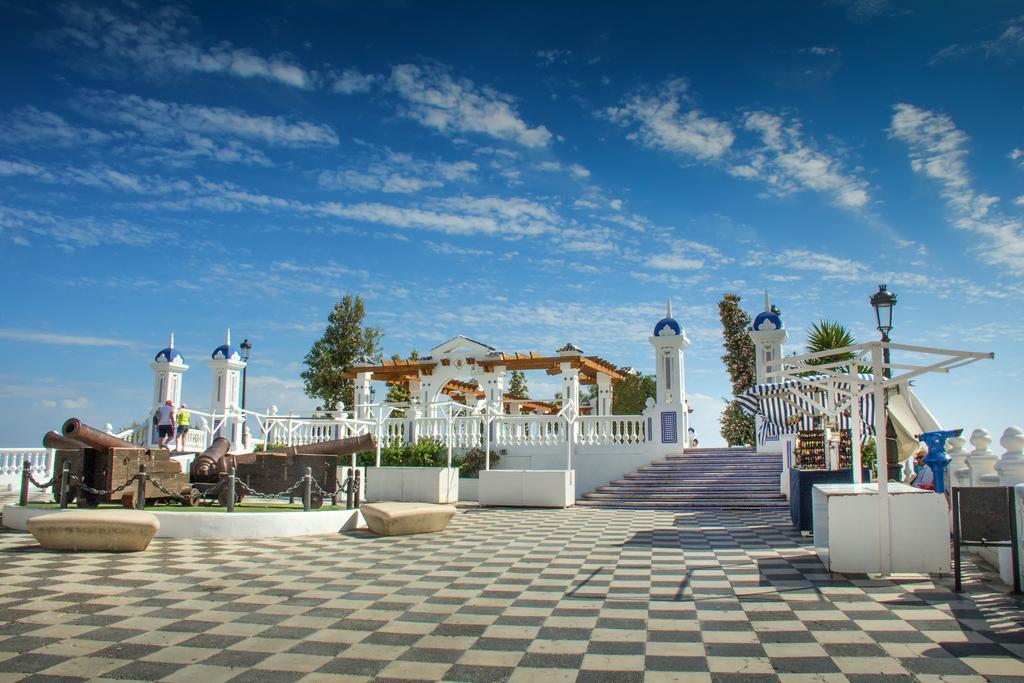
<point>517,385</point>
<point>629,397</point>
<point>825,335</point>
<point>344,340</point>
<point>737,428</point>
<point>399,392</point>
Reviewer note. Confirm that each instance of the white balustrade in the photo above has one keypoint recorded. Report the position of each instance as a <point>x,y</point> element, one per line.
<point>617,430</point>
<point>394,431</point>
<point>529,430</point>
<point>959,472</point>
<point>1010,467</point>
<point>11,464</point>
<point>982,461</point>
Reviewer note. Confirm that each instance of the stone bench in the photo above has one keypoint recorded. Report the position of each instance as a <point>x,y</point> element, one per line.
<point>399,519</point>
<point>120,531</point>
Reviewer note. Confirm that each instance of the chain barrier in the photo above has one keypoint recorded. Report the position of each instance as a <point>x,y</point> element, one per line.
<point>161,487</point>
<point>46,484</point>
<point>98,492</point>
<point>253,492</point>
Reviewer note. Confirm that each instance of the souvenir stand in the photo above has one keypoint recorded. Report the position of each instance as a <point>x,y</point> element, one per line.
<point>859,527</point>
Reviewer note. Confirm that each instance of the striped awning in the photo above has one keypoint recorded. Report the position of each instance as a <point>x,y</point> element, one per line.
<point>796,404</point>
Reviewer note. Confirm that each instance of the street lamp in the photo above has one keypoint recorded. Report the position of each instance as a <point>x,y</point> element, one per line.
<point>246,348</point>
<point>883,301</point>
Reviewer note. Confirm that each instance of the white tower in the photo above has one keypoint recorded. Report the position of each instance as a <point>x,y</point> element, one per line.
<point>670,343</point>
<point>768,335</point>
<point>226,367</point>
<point>168,368</point>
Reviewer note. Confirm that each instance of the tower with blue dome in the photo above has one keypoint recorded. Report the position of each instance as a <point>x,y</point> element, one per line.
<point>670,342</point>
<point>226,367</point>
<point>768,334</point>
<point>168,367</point>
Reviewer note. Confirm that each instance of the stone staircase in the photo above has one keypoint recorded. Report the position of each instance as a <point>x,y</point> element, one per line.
<point>717,478</point>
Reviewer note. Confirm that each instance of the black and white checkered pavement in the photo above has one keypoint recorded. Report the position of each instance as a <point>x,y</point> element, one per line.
<point>520,595</point>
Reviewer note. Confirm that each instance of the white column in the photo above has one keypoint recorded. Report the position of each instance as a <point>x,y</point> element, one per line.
<point>362,396</point>
<point>959,472</point>
<point>604,395</point>
<point>855,420</point>
<point>570,386</point>
<point>1010,467</point>
<point>982,462</point>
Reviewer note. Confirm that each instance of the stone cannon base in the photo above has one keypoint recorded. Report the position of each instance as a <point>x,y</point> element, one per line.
<point>400,519</point>
<point>119,531</point>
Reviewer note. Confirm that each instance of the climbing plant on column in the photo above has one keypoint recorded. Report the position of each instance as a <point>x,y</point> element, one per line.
<point>736,426</point>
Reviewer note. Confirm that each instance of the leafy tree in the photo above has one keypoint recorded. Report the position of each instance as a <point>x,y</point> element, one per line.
<point>825,335</point>
<point>629,397</point>
<point>399,393</point>
<point>344,340</point>
<point>517,385</point>
<point>737,427</point>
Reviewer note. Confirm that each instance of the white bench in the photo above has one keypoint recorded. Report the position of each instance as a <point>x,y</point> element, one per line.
<point>399,519</point>
<point>120,531</point>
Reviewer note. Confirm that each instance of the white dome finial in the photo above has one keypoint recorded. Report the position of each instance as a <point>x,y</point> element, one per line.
<point>767,304</point>
<point>171,345</point>
<point>227,339</point>
<point>668,310</point>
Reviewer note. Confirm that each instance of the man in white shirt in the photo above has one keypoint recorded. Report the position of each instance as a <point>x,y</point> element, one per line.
<point>165,422</point>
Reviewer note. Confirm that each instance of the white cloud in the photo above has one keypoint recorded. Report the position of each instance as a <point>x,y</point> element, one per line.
<point>787,163</point>
<point>98,176</point>
<point>861,11</point>
<point>154,41</point>
<point>20,225</point>
<point>435,99</point>
<point>1008,46</point>
<point>556,55</point>
<point>575,170</point>
<point>164,120</point>
<point>828,266</point>
<point>32,126</point>
<point>58,339</point>
<point>938,151</point>
<point>820,50</point>
<point>398,173</point>
<point>352,81</point>
<point>1018,156</point>
<point>74,403</point>
<point>616,204</point>
<point>674,262</point>
<point>659,123</point>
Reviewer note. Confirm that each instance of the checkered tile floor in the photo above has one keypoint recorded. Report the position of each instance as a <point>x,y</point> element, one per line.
<point>522,595</point>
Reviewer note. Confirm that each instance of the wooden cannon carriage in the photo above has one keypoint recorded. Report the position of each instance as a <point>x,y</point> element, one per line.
<point>274,472</point>
<point>103,462</point>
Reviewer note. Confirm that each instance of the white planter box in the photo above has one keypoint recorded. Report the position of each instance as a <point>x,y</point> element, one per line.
<point>846,529</point>
<point>412,484</point>
<point>528,488</point>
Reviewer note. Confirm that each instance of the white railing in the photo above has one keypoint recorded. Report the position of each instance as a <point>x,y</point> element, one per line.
<point>983,466</point>
<point>394,431</point>
<point>529,430</point>
<point>612,430</point>
<point>11,463</point>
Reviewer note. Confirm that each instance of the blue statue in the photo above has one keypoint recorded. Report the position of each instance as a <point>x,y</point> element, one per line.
<point>937,458</point>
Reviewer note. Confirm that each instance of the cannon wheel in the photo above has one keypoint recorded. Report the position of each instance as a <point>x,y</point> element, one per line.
<point>128,501</point>
<point>190,497</point>
<point>88,502</point>
<point>316,501</point>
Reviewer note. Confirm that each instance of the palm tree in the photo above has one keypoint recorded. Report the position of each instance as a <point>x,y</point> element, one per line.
<point>826,335</point>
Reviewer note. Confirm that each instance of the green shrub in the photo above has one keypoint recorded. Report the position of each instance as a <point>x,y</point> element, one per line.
<point>426,453</point>
<point>472,461</point>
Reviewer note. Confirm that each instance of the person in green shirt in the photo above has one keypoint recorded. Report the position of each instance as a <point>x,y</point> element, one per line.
<point>184,421</point>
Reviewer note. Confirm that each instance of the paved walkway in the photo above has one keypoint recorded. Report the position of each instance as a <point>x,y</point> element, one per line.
<point>522,595</point>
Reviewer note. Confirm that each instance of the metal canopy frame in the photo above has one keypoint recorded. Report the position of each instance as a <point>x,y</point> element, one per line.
<point>861,370</point>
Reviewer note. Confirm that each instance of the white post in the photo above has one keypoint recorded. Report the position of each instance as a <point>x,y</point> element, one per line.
<point>981,462</point>
<point>451,433</point>
<point>568,442</point>
<point>884,542</point>
<point>855,419</point>
<point>959,472</point>
<point>487,438</point>
<point>380,432</point>
<point>1010,467</point>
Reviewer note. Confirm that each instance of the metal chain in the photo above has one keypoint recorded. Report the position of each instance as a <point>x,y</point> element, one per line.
<point>97,492</point>
<point>253,492</point>
<point>160,486</point>
<point>45,484</point>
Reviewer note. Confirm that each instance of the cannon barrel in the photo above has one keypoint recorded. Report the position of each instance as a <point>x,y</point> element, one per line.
<point>57,442</point>
<point>207,465</point>
<point>93,438</point>
<point>353,444</point>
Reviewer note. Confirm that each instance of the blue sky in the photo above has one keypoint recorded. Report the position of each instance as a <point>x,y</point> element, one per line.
<point>525,174</point>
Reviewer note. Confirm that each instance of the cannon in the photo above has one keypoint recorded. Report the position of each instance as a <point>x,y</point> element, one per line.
<point>272,472</point>
<point>103,462</point>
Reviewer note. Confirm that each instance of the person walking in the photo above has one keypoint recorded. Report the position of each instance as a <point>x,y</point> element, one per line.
<point>184,422</point>
<point>165,422</point>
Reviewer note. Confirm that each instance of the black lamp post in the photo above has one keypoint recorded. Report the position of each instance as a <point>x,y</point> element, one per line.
<point>883,301</point>
<point>246,348</point>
